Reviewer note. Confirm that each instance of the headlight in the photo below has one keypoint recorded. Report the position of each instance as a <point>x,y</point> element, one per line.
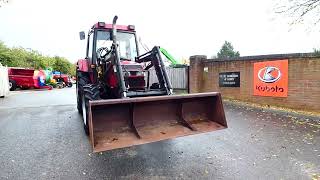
<point>139,73</point>
<point>134,73</point>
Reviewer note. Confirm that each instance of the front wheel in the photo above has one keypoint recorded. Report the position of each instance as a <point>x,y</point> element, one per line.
<point>82,80</point>
<point>69,84</point>
<point>90,93</point>
<point>85,116</point>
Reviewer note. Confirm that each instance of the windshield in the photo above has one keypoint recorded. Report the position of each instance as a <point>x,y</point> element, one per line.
<point>126,41</point>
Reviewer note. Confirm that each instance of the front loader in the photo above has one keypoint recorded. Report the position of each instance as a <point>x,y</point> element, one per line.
<point>119,106</point>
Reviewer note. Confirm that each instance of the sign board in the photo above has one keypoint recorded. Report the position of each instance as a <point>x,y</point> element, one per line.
<point>271,78</point>
<point>229,79</point>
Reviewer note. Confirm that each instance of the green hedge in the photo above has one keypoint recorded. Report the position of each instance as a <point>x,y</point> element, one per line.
<point>20,57</point>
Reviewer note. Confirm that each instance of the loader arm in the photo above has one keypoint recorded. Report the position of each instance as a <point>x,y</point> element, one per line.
<point>154,56</point>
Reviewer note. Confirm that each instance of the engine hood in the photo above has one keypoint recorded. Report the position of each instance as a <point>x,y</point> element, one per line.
<point>131,66</point>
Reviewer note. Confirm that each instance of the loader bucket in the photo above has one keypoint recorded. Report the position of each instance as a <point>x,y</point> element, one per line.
<point>119,123</point>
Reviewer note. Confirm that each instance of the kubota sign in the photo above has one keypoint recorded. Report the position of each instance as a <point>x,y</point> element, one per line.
<point>271,78</point>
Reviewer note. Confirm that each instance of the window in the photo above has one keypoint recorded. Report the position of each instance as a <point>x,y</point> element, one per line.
<point>126,43</point>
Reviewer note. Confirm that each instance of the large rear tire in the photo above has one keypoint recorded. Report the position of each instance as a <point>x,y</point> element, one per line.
<point>82,80</point>
<point>90,93</point>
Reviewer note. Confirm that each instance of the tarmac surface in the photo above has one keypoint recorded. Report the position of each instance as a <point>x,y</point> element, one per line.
<point>41,137</point>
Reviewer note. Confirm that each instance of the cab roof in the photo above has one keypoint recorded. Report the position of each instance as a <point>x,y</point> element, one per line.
<point>102,25</point>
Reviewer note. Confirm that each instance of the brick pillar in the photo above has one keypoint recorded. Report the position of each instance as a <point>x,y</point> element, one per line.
<point>196,73</point>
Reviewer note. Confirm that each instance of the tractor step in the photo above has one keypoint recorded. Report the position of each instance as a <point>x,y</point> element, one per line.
<point>146,93</point>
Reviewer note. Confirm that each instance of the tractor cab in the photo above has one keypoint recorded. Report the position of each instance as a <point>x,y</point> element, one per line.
<point>99,51</point>
<point>100,41</point>
<point>126,41</point>
<point>114,65</point>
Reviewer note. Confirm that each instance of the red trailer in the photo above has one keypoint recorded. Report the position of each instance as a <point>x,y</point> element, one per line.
<point>20,77</point>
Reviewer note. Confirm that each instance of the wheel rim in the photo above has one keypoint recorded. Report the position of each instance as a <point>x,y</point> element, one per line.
<point>84,111</point>
<point>10,85</point>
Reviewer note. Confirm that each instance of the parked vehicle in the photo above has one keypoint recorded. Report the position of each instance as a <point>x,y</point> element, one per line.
<point>20,78</point>
<point>63,79</point>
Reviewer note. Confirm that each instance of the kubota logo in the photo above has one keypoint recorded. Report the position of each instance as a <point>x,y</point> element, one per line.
<point>269,74</point>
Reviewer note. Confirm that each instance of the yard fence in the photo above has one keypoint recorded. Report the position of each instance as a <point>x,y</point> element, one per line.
<point>177,75</point>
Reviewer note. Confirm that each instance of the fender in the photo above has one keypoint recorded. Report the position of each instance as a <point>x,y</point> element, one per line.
<point>83,65</point>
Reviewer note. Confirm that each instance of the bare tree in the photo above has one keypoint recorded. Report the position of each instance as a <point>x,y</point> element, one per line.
<point>300,10</point>
<point>2,2</point>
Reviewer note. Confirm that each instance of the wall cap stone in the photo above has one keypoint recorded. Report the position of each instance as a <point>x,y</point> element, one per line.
<point>265,57</point>
<point>198,57</point>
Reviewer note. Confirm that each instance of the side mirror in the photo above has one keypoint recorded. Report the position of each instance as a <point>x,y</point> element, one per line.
<point>82,35</point>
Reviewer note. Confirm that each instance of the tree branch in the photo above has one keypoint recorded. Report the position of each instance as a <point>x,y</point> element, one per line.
<point>298,10</point>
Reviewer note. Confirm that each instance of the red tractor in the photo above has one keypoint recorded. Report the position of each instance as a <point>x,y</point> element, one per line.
<point>62,79</point>
<point>118,105</point>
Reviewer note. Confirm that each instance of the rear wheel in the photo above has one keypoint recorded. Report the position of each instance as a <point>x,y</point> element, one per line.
<point>12,85</point>
<point>82,80</point>
<point>90,93</point>
<point>24,87</point>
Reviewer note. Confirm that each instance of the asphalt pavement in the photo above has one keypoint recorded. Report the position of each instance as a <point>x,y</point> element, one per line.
<point>41,137</point>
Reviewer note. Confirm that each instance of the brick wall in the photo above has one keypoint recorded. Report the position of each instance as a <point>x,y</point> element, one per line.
<point>303,79</point>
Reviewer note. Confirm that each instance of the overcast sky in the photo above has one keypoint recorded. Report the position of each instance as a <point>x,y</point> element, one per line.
<point>184,28</point>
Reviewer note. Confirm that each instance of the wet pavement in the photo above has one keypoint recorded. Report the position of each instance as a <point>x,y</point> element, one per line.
<point>41,137</point>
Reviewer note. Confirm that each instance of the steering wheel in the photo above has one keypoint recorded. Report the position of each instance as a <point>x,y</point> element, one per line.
<point>102,52</point>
